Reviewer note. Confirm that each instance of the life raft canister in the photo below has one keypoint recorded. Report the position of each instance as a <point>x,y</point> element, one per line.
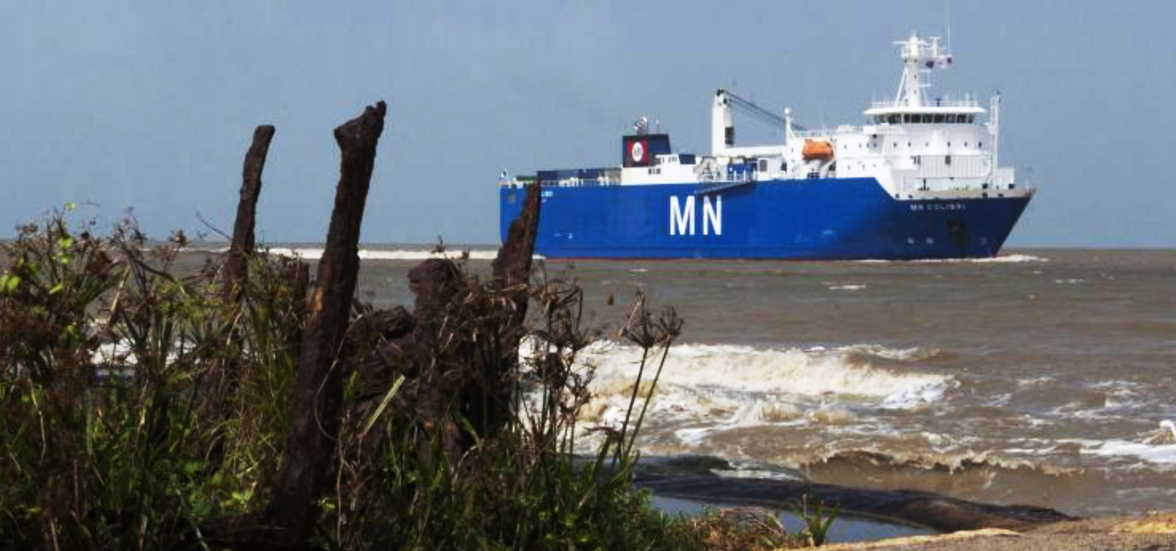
<point>817,150</point>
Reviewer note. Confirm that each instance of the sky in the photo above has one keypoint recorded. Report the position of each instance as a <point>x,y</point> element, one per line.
<point>149,106</point>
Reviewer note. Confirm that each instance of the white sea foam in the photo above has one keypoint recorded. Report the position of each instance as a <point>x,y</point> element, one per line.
<point>708,387</point>
<point>1002,259</point>
<point>847,287</point>
<point>897,354</point>
<point>1158,454</point>
<point>315,253</point>
<point>1157,446</point>
<point>742,469</point>
<point>774,371</point>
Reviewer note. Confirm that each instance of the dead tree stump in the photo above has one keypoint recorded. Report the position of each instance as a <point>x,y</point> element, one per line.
<point>237,264</point>
<point>318,395</point>
<point>225,372</point>
<point>491,408</point>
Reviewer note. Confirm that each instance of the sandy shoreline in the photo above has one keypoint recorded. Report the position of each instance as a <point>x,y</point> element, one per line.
<point>1150,532</point>
<point>903,520</point>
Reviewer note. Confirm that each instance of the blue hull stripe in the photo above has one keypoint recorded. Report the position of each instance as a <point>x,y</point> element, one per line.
<point>851,218</point>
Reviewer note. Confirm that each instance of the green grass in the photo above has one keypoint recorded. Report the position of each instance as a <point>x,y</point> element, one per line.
<point>154,445</point>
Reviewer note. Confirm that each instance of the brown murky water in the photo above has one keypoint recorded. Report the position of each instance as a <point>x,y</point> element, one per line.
<point>1042,377</point>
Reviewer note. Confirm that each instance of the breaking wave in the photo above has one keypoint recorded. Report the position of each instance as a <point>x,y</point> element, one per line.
<point>709,387</point>
<point>315,253</point>
<point>1015,258</point>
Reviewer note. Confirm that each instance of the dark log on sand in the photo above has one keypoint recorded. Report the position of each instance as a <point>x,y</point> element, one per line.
<point>318,396</point>
<point>939,512</point>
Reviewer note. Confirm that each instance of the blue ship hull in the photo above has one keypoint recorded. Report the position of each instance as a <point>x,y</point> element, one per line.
<point>814,219</point>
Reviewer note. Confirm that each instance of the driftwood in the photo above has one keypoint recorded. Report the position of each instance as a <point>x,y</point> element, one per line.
<point>512,269</point>
<point>335,345</point>
<point>237,263</point>
<point>236,272</point>
<point>512,265</point>
<point>928,509</point>
<point>305,468</point>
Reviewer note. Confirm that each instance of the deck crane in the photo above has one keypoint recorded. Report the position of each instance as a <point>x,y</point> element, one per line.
<point>723,130</point>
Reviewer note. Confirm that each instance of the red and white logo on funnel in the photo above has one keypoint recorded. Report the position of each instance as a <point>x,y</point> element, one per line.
<point>637,152</point>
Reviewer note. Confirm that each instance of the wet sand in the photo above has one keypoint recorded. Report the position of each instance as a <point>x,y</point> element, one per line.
<point>1150,532</point>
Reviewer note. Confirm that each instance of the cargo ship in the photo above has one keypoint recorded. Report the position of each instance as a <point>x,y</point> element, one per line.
<point>919,179</point>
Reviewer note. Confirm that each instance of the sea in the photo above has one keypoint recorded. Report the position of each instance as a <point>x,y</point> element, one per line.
<point>1042,377</point>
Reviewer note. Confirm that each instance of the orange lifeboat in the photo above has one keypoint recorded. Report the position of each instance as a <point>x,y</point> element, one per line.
<point>817,150</point>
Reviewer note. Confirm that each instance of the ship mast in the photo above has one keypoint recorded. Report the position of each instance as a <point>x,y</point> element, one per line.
<point>918,56</point>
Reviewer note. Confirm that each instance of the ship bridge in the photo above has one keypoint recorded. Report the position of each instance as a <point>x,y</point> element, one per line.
<point>940,111</point>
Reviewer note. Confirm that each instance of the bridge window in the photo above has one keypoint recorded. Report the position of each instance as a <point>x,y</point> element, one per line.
<point>951,118</point>
<point>947,160</point>
<point>939,118</point>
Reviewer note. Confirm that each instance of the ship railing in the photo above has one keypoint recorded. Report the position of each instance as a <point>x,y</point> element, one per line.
<point>825,133</point>
<point>565,182</point>
<point>1001,179</point>
<point>951,103</point>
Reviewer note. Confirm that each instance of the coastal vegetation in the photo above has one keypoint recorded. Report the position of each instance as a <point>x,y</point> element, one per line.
<point>244,406</point>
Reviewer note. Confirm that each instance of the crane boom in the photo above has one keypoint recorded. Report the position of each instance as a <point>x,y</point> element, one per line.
<point>722,128</point>
<point>752,109</point>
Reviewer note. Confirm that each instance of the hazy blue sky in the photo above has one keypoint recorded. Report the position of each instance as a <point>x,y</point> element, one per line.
<point>151,105</point>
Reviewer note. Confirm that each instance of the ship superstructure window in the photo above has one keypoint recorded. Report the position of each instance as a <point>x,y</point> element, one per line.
<point>947,160</point>
<point>924,118</point>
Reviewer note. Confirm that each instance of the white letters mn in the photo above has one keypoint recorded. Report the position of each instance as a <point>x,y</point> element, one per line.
<point>682,215</point>
<point>712,215</point>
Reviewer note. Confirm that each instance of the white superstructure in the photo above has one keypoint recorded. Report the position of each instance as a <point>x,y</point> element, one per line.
<point>916,146</point>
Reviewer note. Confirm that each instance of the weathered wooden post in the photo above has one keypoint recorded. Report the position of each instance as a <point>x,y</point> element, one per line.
<point>237,264</point>
<point>512,270</point>
<point>236,273</point>
<point>319,388</point>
